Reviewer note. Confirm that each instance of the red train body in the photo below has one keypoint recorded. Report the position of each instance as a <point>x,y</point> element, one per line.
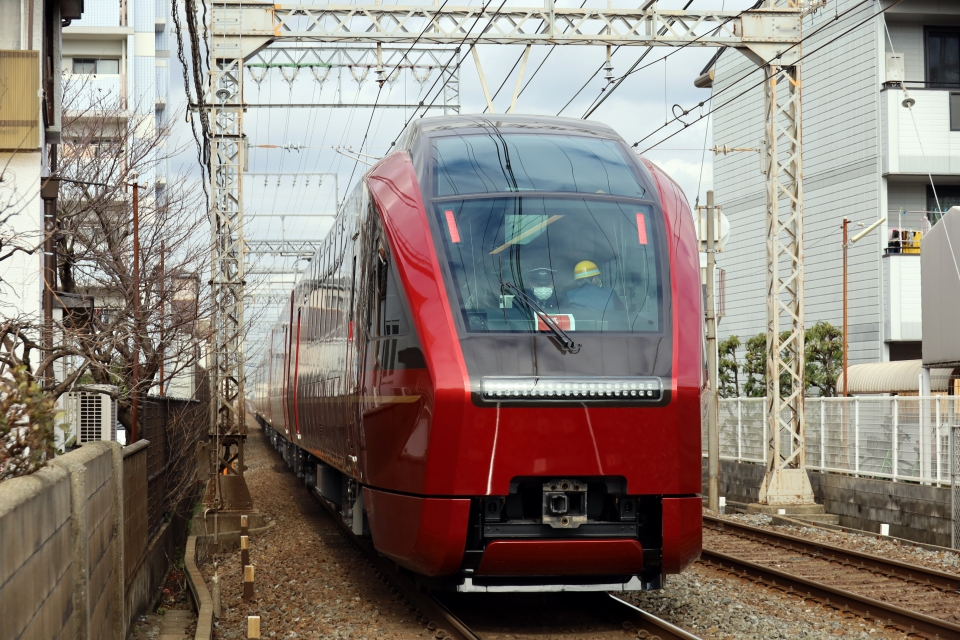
<point>415,383</point>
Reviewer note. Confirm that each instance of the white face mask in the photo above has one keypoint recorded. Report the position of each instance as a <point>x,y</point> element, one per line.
<point>542,293</point>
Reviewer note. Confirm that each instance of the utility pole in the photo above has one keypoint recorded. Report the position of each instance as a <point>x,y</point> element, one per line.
<point>135,392</point>
<point>163,250</point>
<point>846,381</point>
<point>846,245</point>
<point>49,190</point>
<point>713,433</point>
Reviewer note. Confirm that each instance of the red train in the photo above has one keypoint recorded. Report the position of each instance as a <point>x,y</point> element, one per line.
<point>493,366</point>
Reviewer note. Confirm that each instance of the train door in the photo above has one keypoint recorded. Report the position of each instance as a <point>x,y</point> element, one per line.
<point>288,352</point>
<point>296,377</point>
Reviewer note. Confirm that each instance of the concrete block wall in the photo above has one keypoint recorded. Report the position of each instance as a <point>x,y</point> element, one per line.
<point>96,485</point>
<point>60,567</point>
<point>36,563</point>
<point>913,511</point>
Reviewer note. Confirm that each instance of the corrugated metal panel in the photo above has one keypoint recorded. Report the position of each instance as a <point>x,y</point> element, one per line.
<point>892,377</point>
<point>19,100</point>
<point>941,291</point>
<point>841,178</point>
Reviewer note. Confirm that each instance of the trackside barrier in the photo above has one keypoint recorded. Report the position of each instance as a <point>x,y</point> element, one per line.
<point>955,489</point>
<point>900,438</point>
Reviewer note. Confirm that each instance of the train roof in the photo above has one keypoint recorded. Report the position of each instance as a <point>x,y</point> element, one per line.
<point>475,121</point>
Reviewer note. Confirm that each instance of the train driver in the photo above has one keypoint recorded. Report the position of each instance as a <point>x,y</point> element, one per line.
<point>539,282</point>
<point>588,291</point>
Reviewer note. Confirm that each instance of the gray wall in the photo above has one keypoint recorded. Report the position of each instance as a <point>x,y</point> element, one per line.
<point>60,569</point>
<point>913,511</point>
<point>36,579</point>
<point>841,177</point>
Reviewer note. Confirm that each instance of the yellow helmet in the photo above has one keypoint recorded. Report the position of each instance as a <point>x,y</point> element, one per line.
<point>585,269</point>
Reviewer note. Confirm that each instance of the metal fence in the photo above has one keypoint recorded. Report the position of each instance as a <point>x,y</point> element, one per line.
<point>955,490</point>
<point>893,437</point>
<point>173,426</point>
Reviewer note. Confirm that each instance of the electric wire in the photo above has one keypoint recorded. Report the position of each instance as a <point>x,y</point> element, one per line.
<point>756,68</point>
<point>455,69</point>
<point>604,94</point>
<point>634,69</point>
<point>519,58</point>
<point>380,89</point>
<point>753,86</point>
<point>703,157</point>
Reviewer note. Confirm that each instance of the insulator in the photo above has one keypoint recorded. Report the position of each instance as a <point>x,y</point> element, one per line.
<point>608,67</point>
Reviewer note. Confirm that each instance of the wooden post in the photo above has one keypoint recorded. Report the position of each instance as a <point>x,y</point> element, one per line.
<point>244,523</point>
<point>253,627</point>
<point>244,550</point>
<point>248,583</point>
<point>215,595</point>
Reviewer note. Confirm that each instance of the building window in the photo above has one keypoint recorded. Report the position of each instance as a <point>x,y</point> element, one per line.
<point>943,58</point>
<point>948,196</point>
<point>89,66</point>
<point>955,112</point>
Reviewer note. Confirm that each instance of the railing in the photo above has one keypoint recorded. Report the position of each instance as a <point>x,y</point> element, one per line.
<point>901,438</point>
<point>955,490</point>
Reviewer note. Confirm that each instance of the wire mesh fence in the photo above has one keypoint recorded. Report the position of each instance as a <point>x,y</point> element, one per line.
<point>955,489</point>
<point>894,437</point>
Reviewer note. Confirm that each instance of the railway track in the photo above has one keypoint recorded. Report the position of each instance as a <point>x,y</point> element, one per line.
<point>918,601</point>
<point>437,612</point>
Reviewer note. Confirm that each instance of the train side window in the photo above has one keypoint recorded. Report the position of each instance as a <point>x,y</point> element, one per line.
<point>393,320</point>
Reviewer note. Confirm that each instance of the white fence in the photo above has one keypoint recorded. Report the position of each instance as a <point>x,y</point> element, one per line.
<point>894,437</point>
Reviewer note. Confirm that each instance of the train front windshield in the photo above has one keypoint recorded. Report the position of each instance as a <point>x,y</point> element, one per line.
<point>567,234</point>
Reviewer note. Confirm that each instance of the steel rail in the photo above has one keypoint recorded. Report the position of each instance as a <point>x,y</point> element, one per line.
<point>867,608</point>
<point>894,568</point>
<point>909,621</point>
<point>439,618</point>
<point>646,621</point>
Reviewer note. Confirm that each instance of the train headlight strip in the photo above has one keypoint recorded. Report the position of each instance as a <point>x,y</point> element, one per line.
<point>563,388</point>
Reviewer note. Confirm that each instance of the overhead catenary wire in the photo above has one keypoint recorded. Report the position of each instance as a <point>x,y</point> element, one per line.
<point>756,68</point>
<point>634,69</point>
<point>455,69</point>
<point>754,86</point>
<point>532,75</point>
<point>604,93</point>
<point>380,89</point>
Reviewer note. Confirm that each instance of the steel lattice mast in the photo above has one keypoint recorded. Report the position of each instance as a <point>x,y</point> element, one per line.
<point>769,36</point>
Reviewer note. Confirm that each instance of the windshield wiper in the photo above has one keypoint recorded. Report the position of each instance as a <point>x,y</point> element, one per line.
<point>552,325</point>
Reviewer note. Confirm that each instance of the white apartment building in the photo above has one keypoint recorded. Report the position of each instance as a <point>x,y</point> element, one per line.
<point>865,156</point>
<point>29,134</point>
<point>118,54</point>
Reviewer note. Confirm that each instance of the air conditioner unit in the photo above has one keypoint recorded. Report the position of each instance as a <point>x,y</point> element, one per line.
<point>93,414</point>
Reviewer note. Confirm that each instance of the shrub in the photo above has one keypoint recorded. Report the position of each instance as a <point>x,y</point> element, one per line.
<point>26,425</point>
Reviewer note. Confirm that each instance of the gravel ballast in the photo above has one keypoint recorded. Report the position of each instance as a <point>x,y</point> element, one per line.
<point>310,581</point>
<point>717,606</point>
<point>884,547</point>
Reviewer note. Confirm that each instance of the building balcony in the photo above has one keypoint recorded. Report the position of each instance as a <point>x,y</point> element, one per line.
<point>923,141</point>
<point>98,94</point>
<point>902,320</point>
